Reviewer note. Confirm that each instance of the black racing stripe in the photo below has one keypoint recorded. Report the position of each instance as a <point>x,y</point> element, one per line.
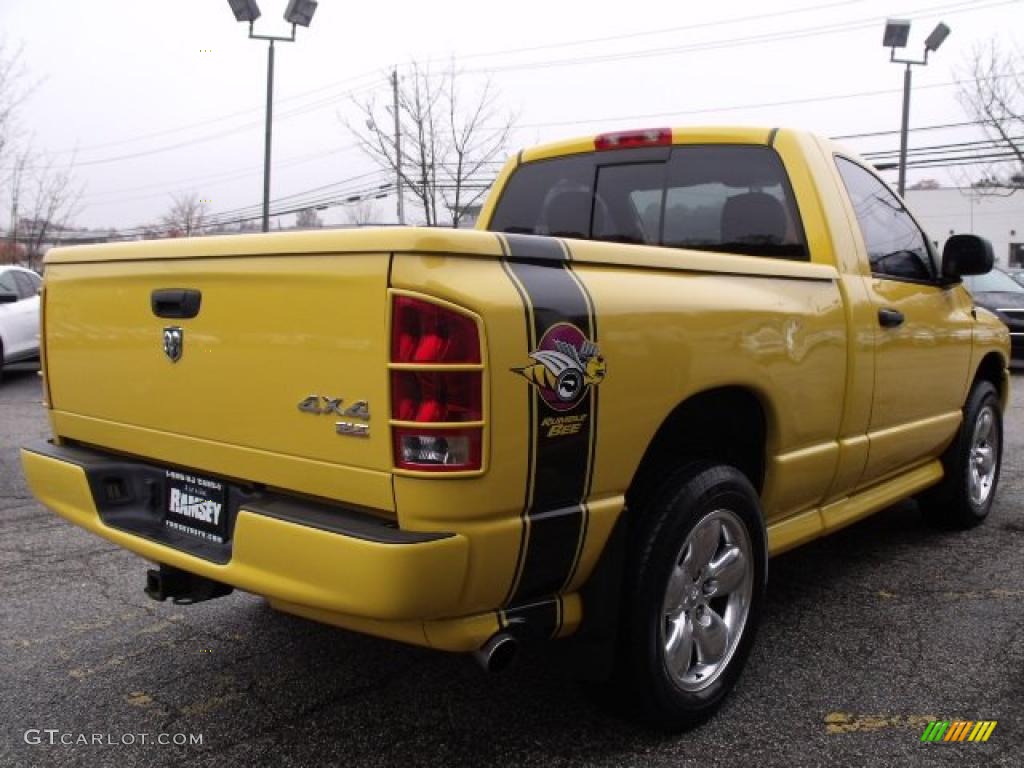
<point>528,492</point>
<point>556,517</point>
<point>535,248</point>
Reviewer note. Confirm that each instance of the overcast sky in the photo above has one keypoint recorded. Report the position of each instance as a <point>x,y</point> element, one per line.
<point>169,96</point>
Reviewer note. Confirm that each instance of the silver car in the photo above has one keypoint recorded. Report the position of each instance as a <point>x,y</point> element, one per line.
<point>19,315</point>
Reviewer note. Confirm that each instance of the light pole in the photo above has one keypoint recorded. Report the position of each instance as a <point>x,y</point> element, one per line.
<point>298,12</point>
<point>896,33</point>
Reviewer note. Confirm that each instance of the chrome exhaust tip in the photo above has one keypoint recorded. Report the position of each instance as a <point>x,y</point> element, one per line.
<point>498,653</point>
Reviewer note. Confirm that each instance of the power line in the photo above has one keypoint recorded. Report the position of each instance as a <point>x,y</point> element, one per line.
<point>374,74</point>
<point>711,45</point>
<point>220,119</point>
<point>213,136</point>
<point>653,32</point>
<point>759,105</point>
<point>940,162</point>
<point>758,39</point>
<point>919,128</point>
<point>213,179</point>
<point>958,147</point>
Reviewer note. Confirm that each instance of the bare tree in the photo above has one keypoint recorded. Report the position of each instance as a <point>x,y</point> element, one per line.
<point>15,183</point>
<point>450,140</point>
<point>992,93</point>
<point>187,215</point>
<point>54,200</point>
<point>475,147</point>
<point>13,91</point>
<point>42,194</point>
<point>308,218</point>
<point>361,212</point>
<point>12,94</point>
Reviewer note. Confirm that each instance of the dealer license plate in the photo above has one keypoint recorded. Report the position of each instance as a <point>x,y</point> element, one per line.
<point>195,505</point>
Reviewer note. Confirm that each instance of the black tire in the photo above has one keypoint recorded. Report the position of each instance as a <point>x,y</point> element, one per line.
<point>660,545</point>
<point>953,503</point>
<point>1,361</point>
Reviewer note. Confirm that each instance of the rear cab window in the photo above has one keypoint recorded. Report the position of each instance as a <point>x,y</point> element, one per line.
<point>724,198</point>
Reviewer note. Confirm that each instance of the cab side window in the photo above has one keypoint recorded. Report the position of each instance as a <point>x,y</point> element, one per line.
<point>27,286</point>
<point>896,247</point>
<point>7,284</point>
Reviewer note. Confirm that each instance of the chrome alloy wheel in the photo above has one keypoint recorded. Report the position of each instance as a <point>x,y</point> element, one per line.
<point>707,600</point>
<point>983,456</point>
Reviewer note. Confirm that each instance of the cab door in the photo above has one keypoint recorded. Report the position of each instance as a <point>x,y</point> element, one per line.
<point>922,335</point>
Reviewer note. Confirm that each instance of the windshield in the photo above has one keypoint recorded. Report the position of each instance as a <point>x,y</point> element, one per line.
<point>995,281</point>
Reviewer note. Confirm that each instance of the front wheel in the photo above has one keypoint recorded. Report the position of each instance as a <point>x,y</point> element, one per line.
<point>964,497</point>
<point>694,590</point>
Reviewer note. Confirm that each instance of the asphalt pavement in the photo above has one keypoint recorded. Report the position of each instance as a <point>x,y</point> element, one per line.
<point>869,634</point>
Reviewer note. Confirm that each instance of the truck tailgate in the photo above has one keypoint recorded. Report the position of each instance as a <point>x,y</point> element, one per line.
<point>271,332</point>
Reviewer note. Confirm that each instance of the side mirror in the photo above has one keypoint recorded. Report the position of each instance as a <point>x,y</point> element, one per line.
<point>8,298</point>
<point>966,255</point>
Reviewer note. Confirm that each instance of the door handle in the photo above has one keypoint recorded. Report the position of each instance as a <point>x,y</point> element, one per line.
<point>890,318</point>
<point>176,302</point>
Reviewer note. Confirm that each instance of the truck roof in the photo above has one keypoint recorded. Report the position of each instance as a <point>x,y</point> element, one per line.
<point>688,135</point>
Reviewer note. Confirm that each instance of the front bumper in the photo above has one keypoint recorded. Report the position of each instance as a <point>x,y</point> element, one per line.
<point>316,558</point>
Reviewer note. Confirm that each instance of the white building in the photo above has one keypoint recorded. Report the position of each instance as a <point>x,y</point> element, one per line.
<point>951,211</point>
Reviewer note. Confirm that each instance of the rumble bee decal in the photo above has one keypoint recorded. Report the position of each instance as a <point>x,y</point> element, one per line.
<point>567,363</point>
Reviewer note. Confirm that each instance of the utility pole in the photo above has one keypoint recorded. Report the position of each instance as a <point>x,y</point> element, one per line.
<point>398,147</point>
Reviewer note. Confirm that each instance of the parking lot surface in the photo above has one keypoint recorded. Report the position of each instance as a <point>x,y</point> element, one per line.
<point>868,635</point>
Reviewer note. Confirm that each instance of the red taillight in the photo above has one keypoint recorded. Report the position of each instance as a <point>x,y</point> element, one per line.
<point>436,396</point>
<point>426,339</point>
<point>652,137</point>
<point>427,333</point>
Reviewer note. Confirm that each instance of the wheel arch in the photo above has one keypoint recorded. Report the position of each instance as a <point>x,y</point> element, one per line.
<point>728,424</point>
<point>993,368</point>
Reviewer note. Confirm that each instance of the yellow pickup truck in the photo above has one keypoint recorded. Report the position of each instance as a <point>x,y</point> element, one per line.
<point>662,357</point>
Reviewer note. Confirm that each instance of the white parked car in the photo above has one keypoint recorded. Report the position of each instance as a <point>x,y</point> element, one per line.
<point>19,315</point>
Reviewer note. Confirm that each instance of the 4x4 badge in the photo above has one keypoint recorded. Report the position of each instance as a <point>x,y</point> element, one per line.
<point>174,343</point>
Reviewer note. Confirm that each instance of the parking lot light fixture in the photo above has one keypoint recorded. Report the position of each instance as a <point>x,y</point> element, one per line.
<point>897,32</point>
<point>298,12</point>
<point>245,10</point>
<point>936,38</point>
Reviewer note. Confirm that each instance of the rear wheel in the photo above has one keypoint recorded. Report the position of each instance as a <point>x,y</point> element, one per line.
<point>1,361</point>
<point>695,585</point>
<point>964,497</point>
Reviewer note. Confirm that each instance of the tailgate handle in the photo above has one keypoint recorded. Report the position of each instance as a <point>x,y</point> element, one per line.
<point>176,302</point>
